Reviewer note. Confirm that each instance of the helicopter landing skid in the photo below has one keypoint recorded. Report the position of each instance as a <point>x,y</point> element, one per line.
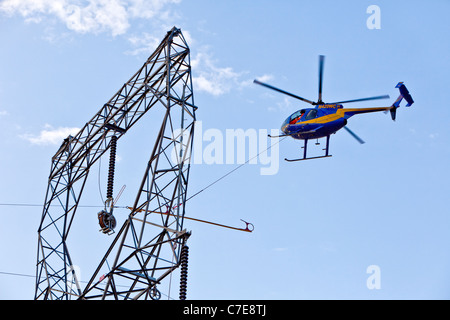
<point>308,158</point>
<point>301,159</point>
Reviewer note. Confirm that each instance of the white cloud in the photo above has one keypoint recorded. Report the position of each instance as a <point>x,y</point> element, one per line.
<point>207,75</point>
<point>433,135</point>
<point>283,106</point>
<point>3,113</point>
<point>145,43</point>
<point>91,16</point>
<point>115,17</point>
<point>210,78</point>
<point>50,136</point>
<point>265,78</point>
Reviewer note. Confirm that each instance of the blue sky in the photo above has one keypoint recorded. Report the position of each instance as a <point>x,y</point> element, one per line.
<point>318,224</point>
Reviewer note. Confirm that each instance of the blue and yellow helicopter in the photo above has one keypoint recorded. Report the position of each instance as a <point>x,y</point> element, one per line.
<point>327,118</point>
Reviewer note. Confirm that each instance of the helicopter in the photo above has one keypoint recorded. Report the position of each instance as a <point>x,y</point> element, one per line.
<point>325,119</point>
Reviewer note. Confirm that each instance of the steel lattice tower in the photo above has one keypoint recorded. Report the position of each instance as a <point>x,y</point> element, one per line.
<point>148,246</point>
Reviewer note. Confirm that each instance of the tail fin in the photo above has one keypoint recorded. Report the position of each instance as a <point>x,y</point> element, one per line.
<point>404,94</point>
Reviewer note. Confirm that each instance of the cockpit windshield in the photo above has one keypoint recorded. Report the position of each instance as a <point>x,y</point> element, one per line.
<point>296,116</point>
<point>300,114</point>
<point>293,118</point>
<point>303,115</point>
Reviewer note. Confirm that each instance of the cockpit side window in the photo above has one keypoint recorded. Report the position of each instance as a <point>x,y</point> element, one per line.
<point>311,114</point>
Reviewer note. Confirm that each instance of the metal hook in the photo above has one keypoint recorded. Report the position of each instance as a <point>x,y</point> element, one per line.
<point>252,227</point>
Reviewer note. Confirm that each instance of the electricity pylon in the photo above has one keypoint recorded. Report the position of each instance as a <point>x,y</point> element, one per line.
<point>151,243</point>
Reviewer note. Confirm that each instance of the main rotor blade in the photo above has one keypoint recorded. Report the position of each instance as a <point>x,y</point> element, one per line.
<point>354,135</point>
<point>363,99</point>
<point>321,63</point>
<point>282,91</point>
